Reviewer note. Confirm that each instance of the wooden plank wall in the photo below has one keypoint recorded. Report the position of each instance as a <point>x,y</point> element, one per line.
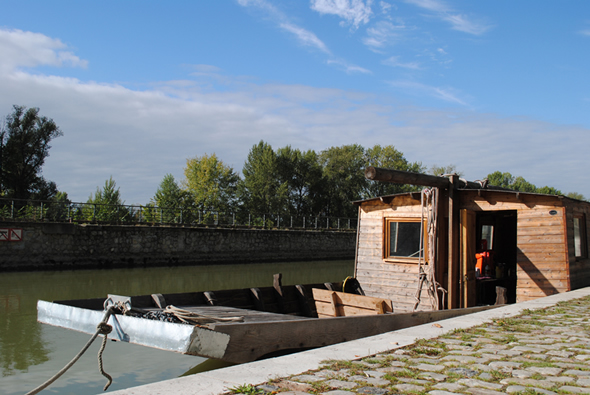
<point>395,281</point>
<point>579,267</point>
<point>542,266</point>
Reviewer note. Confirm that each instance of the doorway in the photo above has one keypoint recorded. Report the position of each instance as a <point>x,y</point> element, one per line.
<point>489,250</point>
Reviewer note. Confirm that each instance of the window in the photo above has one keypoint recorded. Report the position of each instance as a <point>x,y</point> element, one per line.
<point>402,240</point>
<point>580,247</point>
<point>487,237</point>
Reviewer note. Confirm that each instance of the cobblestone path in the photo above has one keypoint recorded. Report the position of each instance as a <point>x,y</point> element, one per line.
<point>543,351</point>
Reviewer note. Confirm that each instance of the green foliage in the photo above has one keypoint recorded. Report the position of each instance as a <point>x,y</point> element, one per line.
<point>343,171</point>
<point>507,180</point>
<point>210,183</point>
<point>436,170</point>
<point>390,158</point>
<point>58,208</point>
<point>246,389</point>
<point>301,174</point>
<point>106,204</point>
<point>576,195</point>
<point>261,190</point>
<point>167,203</point>
<point>24,146</point>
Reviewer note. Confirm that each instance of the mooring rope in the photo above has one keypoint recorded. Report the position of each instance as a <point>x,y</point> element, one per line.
<point>429,206</point>
<point>195,318</point>
<point>102,329</point>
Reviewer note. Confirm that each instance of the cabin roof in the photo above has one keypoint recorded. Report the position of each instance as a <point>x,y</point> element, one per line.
<point>416,195</point>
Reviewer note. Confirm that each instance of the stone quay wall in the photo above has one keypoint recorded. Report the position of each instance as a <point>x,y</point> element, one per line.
<point>65,246</point>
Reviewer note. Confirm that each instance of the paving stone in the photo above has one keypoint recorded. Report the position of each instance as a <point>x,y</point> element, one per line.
<point>505,365</point>
<point>408,387</point>
<point>486,376</point>
<point>519,388</point>
<point>463,372</point>
<point>482,391</point>
<point>522,374</point>
<point>545,371</point>
<point>529,382</point>
<point>307,378</point>
<point>341,384</point>
<point>440,392</point>
<point>434,376</point>
<point>391,370</point>
<point>449,386</point>
<point>464,359</point>
<point>584,373</point>
<point>561,379</point>
<point>371,391</point>
<point>294,386</point>
<point>583,382</point>
<point>562,354</point>
<point>413,381</point>
<point>574,390</point>
<point>430,368</point>
<point>297,393</point>
<point>479,383</point>
<point>333,392</point>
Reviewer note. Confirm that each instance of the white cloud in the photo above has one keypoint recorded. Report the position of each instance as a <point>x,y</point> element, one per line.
<point>354,12</point>
<point>585,32</point>
<point>383,33</point>
<point>458,22</point>
<point>305,37</point>
<point>139,136</point>
<point>416,88</point>
<point>395,62</point>
<point>27,49</point>
<point>348,67</point>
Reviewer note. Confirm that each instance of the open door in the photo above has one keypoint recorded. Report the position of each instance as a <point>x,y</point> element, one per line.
<point>468,259</point>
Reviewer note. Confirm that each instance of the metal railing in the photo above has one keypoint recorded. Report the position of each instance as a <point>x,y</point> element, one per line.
<point>50,211</point>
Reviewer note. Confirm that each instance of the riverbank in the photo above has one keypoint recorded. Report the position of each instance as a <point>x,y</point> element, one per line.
<point>28,246</point>
<point>540,346</point>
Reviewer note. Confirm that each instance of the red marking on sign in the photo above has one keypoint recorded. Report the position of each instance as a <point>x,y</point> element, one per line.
<point>7,234</point>
<point>15,235</point>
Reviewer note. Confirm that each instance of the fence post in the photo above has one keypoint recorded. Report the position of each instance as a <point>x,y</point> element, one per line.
<point>278,221</point>
<point>349,223</point>
<point>249,220</point>
<point>338,223</point>
<point>303,222</point>
<point>199,217</point>
<point>41,215</point>
<point>291,222</point>
<point>161,215</point>
<point>316,222</point>
<point>12,210</point>
<point>233,215</point>
<point>263,221</point>
<point>94,212</point>
<point>327,222</point>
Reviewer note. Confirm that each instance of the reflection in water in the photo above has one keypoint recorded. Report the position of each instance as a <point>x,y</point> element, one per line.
<point>31,352</point>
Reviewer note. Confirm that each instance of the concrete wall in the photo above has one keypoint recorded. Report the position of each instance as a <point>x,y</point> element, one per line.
<point>50,246</point>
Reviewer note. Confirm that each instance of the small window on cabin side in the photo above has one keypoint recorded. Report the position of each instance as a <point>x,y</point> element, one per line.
<point>580,247</point>
<point>402,239</point>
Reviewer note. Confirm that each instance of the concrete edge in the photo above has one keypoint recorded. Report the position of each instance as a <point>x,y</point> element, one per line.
<point>219,381</point>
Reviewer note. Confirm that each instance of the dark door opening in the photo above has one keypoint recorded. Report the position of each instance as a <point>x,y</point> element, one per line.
<point>495,235</point>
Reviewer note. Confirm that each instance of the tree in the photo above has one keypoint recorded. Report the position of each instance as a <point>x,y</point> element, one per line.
<point>390,158</point>
<point>261,190</point>
<point>499,179</point>
<point>436,170</point>
<point>106,204</point>
<point>211,184</point>
<point>344,178</point>
<point>576,195</point>
<point>507,180</point>
<point>170,200</point>
<point>24,146</point>
<point>301,173</point>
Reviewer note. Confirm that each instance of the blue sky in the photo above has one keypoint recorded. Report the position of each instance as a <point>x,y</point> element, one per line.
<point>138,87</point>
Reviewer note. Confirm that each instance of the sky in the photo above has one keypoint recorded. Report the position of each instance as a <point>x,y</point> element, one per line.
<point>139,87</point>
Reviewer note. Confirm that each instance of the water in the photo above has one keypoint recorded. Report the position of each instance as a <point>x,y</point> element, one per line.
<point>31,352</point>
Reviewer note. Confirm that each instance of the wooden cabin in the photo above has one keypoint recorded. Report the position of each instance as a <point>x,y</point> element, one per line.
<point>471,242</point>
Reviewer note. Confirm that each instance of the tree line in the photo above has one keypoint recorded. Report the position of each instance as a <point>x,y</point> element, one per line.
<point>283,181</point>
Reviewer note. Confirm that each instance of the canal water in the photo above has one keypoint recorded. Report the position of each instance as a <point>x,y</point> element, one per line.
<point>31,352</point>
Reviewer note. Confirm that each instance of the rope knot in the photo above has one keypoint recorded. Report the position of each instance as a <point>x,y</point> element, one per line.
<point>104,328</point>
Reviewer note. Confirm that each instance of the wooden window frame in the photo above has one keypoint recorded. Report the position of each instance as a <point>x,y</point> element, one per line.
<point>582,235</point>
<point>387,238</point>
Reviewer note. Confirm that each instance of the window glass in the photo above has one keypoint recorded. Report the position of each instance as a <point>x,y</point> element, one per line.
<point>487,234</point>
<point>580,240</point>
<point>404,239</point>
